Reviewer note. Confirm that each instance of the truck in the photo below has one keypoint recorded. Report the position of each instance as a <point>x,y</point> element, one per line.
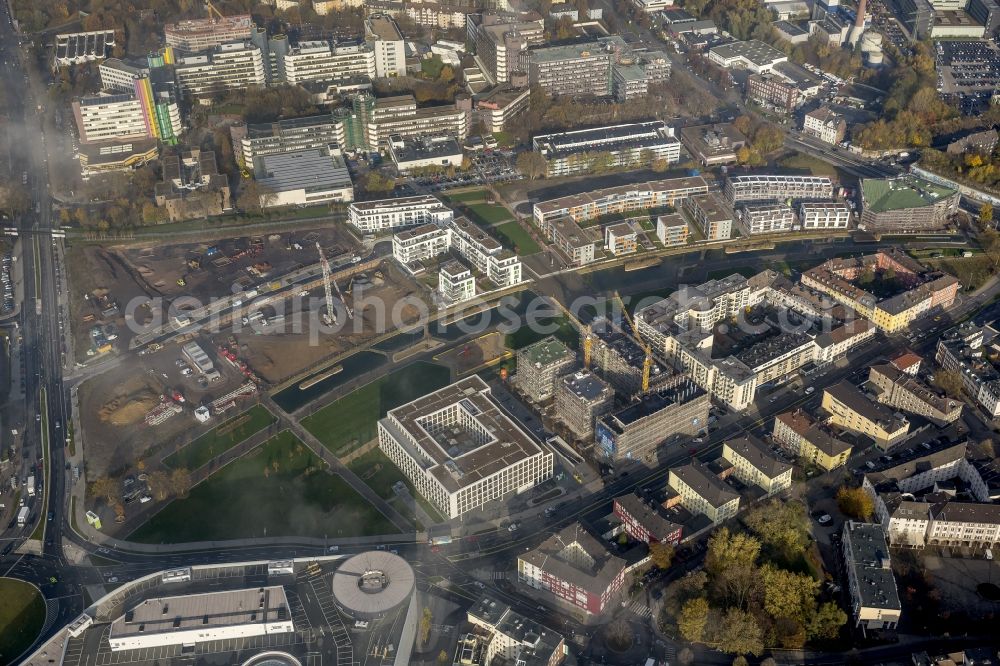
<point>22,516</point>
<point>440,540</point>
<point>31,485</point>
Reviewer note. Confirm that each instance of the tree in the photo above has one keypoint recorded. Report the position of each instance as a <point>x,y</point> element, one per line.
<point>949,381</point>
<point>424,630</point>
<point>986,214</point>
<point>249,199</point>
<point>740,660</point>
<point>180,482</point>
<point>443,657</point>
<point>16,199</point>
<point>787,594</point>
<point>661,554</point>
<point>739,633</point>
<point>619,634</point>
<point>827,621</point>
<point>731,561</point>
<point>107,489</point>
<point>532,165</point>
<point>781,525</point>
<point>693,619</point>
<point>855,502</point>
<point>159,485</point>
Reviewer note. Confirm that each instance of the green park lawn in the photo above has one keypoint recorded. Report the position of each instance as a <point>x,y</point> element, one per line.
<point>513,235</point>
<point>488,215</point>
<point>375,469</point>
<point>221,438</point>
<point>351,421</point>
<point>527,335</point>
<point>22,613</point>
<point>280,489</point>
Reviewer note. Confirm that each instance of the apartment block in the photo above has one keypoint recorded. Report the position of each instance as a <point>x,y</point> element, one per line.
<point>765,218</point>
<point>875,601</point>
<point>387,214</point>
<point>571,70</point>
<point>503,634</point>
<point>234,65</point>
<point>626,144</point>
<point>484,253</point>
<point>703,493</point>
<point>456,283</point>
<point>754,465</point>
<point>669,413</point>
<point>645,520</point>
<point>962,350</point>
<point>810,440</point>
<point>621,239</point>
<point>741,189</point>
<point>420,243</point>
<point>824,215</point>
<point>909,394</point>
<point>672,229</point>
<point>579,245</point>
<point>825,124</point>
<point>712,215</point>
<point>460,449</point>
<point>388,44</point>
<point>540,365</point>
<point>580,399</point>
<point>852,410</point>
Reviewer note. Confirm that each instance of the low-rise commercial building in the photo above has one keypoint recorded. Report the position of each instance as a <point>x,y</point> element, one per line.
<point>765,218</point>
<point>824,215</point>
<point>618,145</point>
<point>810,440</point>
<point>192,186</point>
<point>703,493</point>
<point>460,449</point>
<point>646,521</point>
<point>425,152</point>
<point>302,178</point>
<point>668,413</point>
<point>776,187</point>
<point>199,618</point>
<point>907,393</point>
<point>580,399</point>
<point>752,55</point>
<point>540,365</point>
<point>371,217</point>
<point>825,124</point>
<point>754,465</point>
<point>852,410</point>
<point>714,144</point>
<point>905,203</point>
<point>118,155</point>
<point>875,601</point>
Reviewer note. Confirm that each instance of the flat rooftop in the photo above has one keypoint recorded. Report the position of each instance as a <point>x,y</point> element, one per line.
<point>578,51</point>
<point>310,170</point>
<point>461,451</point>
<point>754,51</point>
<point>216,609</point>
<point>868,555</point>
<point>612,194</point>
<point>546,352</point>
<point>397,203</point>
<point>885,194</point>
<point>587,386</point>
<point>384,28</point>
<point>651,403</point>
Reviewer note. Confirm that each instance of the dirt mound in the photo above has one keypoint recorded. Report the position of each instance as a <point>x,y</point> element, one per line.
<point>130,405</point>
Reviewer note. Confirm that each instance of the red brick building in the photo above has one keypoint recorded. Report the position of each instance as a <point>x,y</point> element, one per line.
<point>646,522</point>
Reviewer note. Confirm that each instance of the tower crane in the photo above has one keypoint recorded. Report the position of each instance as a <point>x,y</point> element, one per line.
<point>211,9</point>
<point>647,363</point>
<point>331,313</point>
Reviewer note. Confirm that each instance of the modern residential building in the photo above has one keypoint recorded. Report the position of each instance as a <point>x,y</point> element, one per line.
<point>234,65</point>
<point>836,342</point>
<point>645,520</point>
<point>571,69</point>
<point>672,229</point>
<point>580,399</point>
<point>484,253</point>
<point>825,124</point>
<point>77,48</point>
<point>619,145</point>
<point>420,243</point>
<point>620,361</point>
<point>714,144</point>
<point>199,618</point>
<point>203,34</point>
<point>774,187</point>
<point>712,215</point>
<point>667,414</point>
<point>824,215</point>
<point>371,217</point>
<point>907,393</point>
<point>501,42</point>
<point>456,283</point>
<point>905,203</point>
<point>810,440</point>
<point>752,55</point>
<point>540,365</point>
<point>962,350</point>
<point>645,196</point>
<point>875,601</point>
<point>703,493</point>
<point>765,218</point>
<point>575,568</point>
<point>754,465</point>
<point>621,239</point>
<point>302,178</point>
<point>460,449</point>
<point>923,290</point>
<point>388,44</point>
<point>503,634</point>
<point>579,245</point>
<point>852,410</point>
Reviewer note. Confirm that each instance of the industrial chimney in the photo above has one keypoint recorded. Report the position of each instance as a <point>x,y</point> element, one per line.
<point>859,24</point>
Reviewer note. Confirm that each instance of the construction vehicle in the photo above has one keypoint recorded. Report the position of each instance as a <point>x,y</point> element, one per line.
<point>647,363</point>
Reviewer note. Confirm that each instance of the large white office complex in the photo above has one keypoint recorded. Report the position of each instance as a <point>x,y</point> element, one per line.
<point>387,42</point>
<point>460,449</point>
<point>285,136</point>
<point>321,61</point>
<point>230,66</point>
<point>628,144</point>
<point>387,214</point>
<point>199,618</point>
<point>107,117</point>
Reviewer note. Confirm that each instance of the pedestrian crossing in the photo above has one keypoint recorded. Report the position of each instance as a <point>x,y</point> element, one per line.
<point>640,609</point>
<point>499,575</point>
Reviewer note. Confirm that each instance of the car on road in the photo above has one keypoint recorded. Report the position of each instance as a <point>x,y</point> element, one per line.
<point>512,528</point>
<point>113,579</point>
<point>810,390</point>
<point>823,518</point>
<point>51,516</point>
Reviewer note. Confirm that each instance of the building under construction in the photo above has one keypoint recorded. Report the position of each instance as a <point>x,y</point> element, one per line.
<point>667,414</point>
<point>618,359</point>
<point>581,398</point>
<point>538,366</point>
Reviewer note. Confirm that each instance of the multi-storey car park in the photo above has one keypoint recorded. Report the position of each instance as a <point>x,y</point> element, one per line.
<point>460,449</point>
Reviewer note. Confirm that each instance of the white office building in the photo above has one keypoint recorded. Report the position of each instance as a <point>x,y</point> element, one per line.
<point>322,62</point>
<point>200,618</point>
<point>460,449</point>
<point>388,44</point>
<point>303,178</point>
<point>387,214</point>
<point>107,117</point>
<point>236,65</point>
<point>627,144</point>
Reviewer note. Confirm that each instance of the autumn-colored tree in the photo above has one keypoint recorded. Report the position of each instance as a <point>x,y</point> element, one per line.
<point>107,489</point>
<point>739,633</point>
<point>986,214</point>
<point>949,381</point>
<point>533,165</point>
<point>693,619</point>
<point>159,485</point>
<point>180,482</point>
<point>855,502</point>
<point>661,554</point>
<point>424,630</point>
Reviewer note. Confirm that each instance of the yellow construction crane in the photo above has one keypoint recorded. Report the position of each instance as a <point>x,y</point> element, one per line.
<point>647,363</point>
<point>210,8</point>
